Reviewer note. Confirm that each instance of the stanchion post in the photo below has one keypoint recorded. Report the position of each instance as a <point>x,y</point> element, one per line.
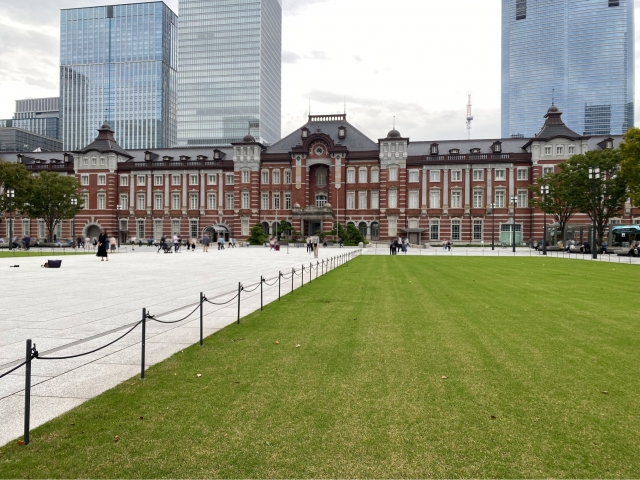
<point>317,265</point>
<point>261,284</point>
<point>27,394</point>
<point>302,275</point>
<point>293,274</point>
<point>279,282</point>
<point>144,331</point>
<point>239,290</point>
<point>310,272</point>
<point>201,316</point>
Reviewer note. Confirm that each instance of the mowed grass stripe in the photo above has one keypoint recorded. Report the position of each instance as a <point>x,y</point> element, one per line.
<point>528,347</point>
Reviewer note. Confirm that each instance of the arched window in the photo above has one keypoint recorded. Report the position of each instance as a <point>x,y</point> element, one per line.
<point>363,229</point>
<point>375,231</point>
<point>265,228</point>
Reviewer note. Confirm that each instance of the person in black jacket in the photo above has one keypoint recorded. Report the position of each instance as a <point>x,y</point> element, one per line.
<point>103,242</point>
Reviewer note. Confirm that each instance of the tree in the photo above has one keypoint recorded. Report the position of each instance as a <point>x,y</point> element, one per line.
<point>257,236</point>
<point>283,227</point>
<point>50,199</point>
<point>351,236</point>
<point>561,201</point>
<point>630,162</point>
<point>14,176</point>
<point>610,189</point>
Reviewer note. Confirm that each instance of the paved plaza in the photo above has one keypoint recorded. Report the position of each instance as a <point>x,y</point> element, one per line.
<point>88,303</point>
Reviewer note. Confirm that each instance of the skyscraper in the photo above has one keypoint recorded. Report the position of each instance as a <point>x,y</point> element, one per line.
<point>38,115</point>
<point>576,53</point>
<point>229,78</point>
<point>118,64</point>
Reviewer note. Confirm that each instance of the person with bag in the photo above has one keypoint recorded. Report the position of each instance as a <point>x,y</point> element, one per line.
<point>103,241</point>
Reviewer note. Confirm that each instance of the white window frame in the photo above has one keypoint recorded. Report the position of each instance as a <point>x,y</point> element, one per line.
<point>375,199</point>
<point>124,180</point>
<point>351,175</point>
<point>393,174</point>
<point>523,198</point>
<point>478,174</point>
<point>434,199</point>
<point>193,179</point>
<point>362,175</point>
<point>229,179</point>
<point>102,201</point>
<point>478,235</point>
<point>157,201</point>
<point>264,198</point>
<point>287,177</point>
<point>230,201</point>
<point>264,177</point>
<point>275,176</point>
<point>546,169</point>
<point>362,200</point>
<point>392,198</point>
<point>523,174</point>
<point>175,180</point>
<point>158,180</point>
<point>211,201</point>
<point>193,201</point>
<point>559,149</point>
<point>212,179</point>
<point>456,175</point>
<point>84,180</point>
<point>141,180</point>
<point>246,176</point>
<point>141,201</point>
<point>478,198</point>
<point>548,150</point>
<point>246,200</point>
<point>499,198</point>
<point>244,229</point>
<point>375,175</point>
<point>275,200</point>
<point>414,176</point>
<point>287,201</point>
<point>102,179</point>
<point>434,223</point>
<point>124,201</point>
<point>500,174</point>
<point>175,201</point>
<point>434,176</point>
<point>457,236</point>
<point>571,149</point>
<point>456,198</point>
<point>351,200</point>
<point>414,199</point>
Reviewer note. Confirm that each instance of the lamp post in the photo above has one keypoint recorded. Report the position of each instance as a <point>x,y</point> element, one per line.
<point>545,191</point>
<point>493,226</point>
<point>74,204</point>
<point>594,176</point>
<point>514,202</point>
<point>10,195</point>
<point>118,208</point>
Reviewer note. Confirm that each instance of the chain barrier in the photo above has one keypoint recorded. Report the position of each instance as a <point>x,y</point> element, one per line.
<point>223,303</point>
<point>14,369</point>
<point>155,318</point>
<point>254,288</point>
<point>270,284</point>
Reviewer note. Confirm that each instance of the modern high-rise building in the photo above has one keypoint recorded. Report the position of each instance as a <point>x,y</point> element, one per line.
<point>578,54</point>
<point>38,115</point>
<point>229,80</point>
<point>118,64</point>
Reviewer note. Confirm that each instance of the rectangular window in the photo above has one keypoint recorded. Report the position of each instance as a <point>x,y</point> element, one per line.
<point>264,177</point>
<point>84,180</point>
<point>230,201</point>
<point>265,201</point>
<point>499,199</point>
<point>103,161</point>
<point>102,179</point>
<point>141,180</point>
<point>362,175</point>
<point>276,177</point>
<point>413,199</point>
<point>434,199</point>
<point>521,9</point>
<point>41,233</point>
<point>193,229</point>
<point>287,177</point>
<point>193,201</point>
<point>478,195</point>
<point>547,170</point>
<point>375,175</point>
<point>245,227</point>
<point>212,179</point>
<point>456,199</point>
<point>414,176</point>
<point>124,181</point>
<point>85,162</point>
<point>559,150</point>
<point>141,203</point>
<point>175,227</point>
<point>455,229</point>
<point>9,230</point>
<point>478,175</point>
<point>229,179</point>
<point>523,198</point>
<point>175,201</point>
<point>393,199</point>
<point>94,161</point>
<point>477,230</point>
<point>375,200</point>
<point>140,229</point>
<point>157,180</point>
<point>351,175</point>
<point>275,197</point>
<point>393,174</point>
<point>287,201</point>
<point>393,226</point>
<point>351,200</point>
<point>124,201</point>
<point>456,175</point>
<point>102,201</point>
<point>157,229</point>
<point>245,200</point>
<point>501,174</point>
<point>85,200</point>
<point>246,176</point>
<point>547,150</point>
<point>434,175</point>
<point>362,200</point>
<point>523,174</point>
<point>434,230</point>
<point>57,231</point>
<point>193,179</point>
<point>175,180</point>
<point>211,201</point>
<point>157,201</point>
<point>25,226</point>
<point>571,149</point>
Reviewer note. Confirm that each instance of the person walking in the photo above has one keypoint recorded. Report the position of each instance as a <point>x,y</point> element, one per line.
<point>27,242</point>
<point>103,241</point>
<point>315,241</point>
<point>309,247</point>
<point>221,243</point>
<point>113,243</point>
<point>205,242</point>
<point>176,242</point>
<point>340,242</point>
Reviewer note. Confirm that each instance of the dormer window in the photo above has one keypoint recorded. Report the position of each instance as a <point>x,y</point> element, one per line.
<point>474,150</point>
<point>342,132</point>
<point>305,132</point>
<point>496,147</point>
<point>167,158</point>
<point>147,156</point>
<point>608,144</point>
<point>216,154</point>
<point>202,157</point>
<point>184,158</point>
<point>454,151</point>
<point>434,149</point>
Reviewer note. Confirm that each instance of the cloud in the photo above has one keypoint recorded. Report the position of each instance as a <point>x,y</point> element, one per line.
<point>316,55</point>
<point>290,57</point>
<point>357,58</point>
<point>290,7</point>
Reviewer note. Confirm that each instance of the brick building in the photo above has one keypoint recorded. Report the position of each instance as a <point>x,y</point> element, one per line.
<point>326,171</point>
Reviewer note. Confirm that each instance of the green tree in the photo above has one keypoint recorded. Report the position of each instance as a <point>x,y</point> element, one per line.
<point>630,162</point>
<point>257,236</point>
<point>51,199</point>
<point>14,176</point>
<point>610,190</point>
<point>283,228</point>
<point>351,236</point>
<point>561,201</point>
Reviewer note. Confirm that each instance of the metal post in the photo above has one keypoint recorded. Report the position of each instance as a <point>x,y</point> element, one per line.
<point>493,227</point>
<point>310,272</point>
<point>239,290</point>
<point>317,265</point>
<point>279,282</point>
<point>27,394</point>
<point>322,267</point>
<point>303,275</point>
<point>293,274</point>
<point>201,304</point>
<point>144,330</point>
<point>261,284</point>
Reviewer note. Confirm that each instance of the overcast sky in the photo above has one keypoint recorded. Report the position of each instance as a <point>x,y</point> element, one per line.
<point>413,59</point>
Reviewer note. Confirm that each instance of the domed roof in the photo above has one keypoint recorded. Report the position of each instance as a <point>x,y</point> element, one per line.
<point>105,126</point>
<point>328,205</point>
<point>394,134</point>
<point>553,109</point>
<point>248,138</point>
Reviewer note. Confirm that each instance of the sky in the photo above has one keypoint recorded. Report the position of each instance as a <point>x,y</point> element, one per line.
<point>415,60</point>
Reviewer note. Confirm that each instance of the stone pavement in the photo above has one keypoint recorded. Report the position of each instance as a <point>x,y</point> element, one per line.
<point>88,303</point>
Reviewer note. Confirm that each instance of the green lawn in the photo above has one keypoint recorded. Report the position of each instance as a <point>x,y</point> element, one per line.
<point>44,253</point>
<point>541,359</point>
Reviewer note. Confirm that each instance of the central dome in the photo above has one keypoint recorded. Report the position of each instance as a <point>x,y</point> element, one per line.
<point>249,139</point>
<point>394,134</point>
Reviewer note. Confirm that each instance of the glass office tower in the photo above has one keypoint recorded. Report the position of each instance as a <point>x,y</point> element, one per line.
<point>118,64</point>
<point>38,115</point>
<point>229,77</point>
<point>577,53</point>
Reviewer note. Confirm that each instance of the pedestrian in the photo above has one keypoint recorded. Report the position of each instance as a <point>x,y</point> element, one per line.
<point>340,242</point>
<point>309,246</point>
<point>113,243</point>
<point>103,241</point>
<point>193,244</point>
<point>315,247</point>
<point>444,245</point>
<point>205,242</point>
<point>272,243</point>
<point>176,242</point>
<point>27,242</point>
<point>14,242</point>
<point>221,243</point>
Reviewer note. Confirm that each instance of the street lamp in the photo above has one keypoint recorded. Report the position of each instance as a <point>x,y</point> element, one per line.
<point>514,202</point>
<point>74,204</point>
<point>594,175</point>
<point>10,195</point>
<point>118,208</point>
<point>545,191</point>
<point>493,226</point>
